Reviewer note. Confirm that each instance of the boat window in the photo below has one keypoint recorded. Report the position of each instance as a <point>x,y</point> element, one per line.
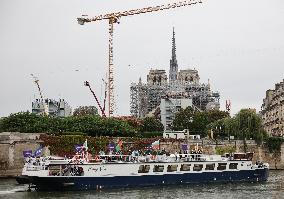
<point>210,167</point>
<point>197,167</point>
<point>172,168</point>
<point>185,167</point>
<point>221,166</point>
<point>144,168</point>
<point>54,170</point>
<point>233,166</point>
<point>158,168</point>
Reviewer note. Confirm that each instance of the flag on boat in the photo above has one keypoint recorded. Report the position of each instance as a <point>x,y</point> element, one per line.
<point>184,147</point>
<point>27,153</point>
<point>156,144</point>
<point>78,147</point>
<point>85,145</point>
<point>38,151</point>
<point>119,145</point>
<point>111,146</point>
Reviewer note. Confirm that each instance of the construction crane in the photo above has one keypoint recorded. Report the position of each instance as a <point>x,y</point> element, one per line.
<point>86,83</point>
<point>45,105</point>
<point>114,18</point>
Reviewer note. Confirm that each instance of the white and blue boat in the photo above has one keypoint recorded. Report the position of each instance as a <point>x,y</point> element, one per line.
<point>112,171</point>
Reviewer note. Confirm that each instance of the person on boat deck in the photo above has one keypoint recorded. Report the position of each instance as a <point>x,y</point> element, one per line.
<point>176,154</point>
<point>134,155</point>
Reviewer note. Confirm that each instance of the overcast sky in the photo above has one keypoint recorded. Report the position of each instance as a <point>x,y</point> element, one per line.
<point>237,44</point>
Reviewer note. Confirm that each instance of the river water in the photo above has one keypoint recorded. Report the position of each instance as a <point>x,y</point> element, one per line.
<point>273,188</point>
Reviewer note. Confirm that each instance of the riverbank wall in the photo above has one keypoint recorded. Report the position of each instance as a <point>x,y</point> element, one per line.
<point>13,144</point>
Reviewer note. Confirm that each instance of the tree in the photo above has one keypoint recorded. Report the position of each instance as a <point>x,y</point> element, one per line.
<point>93,125</point>
<point>197,122</point>
<point>249,124</point>
<point>214,115</point>
<point>20,122</point>
<point>85,110</point>
<point>274,147</point>
<point>184,119</point>
<point>246,124</point>
<point>150,124</point>
<point>1,125</point>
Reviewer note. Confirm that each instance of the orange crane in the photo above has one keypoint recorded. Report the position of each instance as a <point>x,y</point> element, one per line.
<point>86,83</point>
<point>114,18</point>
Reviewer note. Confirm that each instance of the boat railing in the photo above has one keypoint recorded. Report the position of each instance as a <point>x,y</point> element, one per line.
<point>34,168</point>
<point>149,158</point>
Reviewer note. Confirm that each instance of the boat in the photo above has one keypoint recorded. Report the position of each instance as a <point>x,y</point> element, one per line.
<point>112,171</point>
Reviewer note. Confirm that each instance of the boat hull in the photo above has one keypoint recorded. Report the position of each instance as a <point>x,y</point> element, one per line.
<point>62,183</point>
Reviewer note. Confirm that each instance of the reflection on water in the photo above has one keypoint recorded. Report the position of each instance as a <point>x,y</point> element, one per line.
<point>274,188</point>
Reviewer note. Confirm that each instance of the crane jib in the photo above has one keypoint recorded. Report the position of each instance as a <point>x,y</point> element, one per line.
<point>139,11</point>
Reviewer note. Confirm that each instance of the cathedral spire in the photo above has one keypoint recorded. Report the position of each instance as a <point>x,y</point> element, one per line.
<point>174,45</point>
<point>173,62</point>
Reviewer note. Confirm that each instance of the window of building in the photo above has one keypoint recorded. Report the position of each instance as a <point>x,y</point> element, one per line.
<point>221,166</point>
<point>197,167</point>
<point>185,167</point>
<point>172,168</point>
<point>144,169</point>
<point>158,168</point>
<point>210,167</point>
<point>233,166</point>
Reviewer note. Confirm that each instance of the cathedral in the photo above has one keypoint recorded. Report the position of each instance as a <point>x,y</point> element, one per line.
<point>181,85</point>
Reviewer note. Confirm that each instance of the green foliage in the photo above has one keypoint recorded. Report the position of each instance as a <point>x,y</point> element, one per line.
<point>225,149</point>
<point>183,119</point>
<point>20,122</point>
<point>150,124</point>
<point>197,122</point>
<point>214,115</point>
<point>274,144</point>
<point>249,123</point>
<point>85,110</point>
<point>1,125</point>
<point>92,125</point>
<point>244,125</point>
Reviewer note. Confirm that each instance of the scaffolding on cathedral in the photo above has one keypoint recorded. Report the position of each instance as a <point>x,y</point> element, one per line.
<point>182,84</point>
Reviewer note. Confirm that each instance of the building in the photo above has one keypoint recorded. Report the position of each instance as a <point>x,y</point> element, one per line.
<point>169,107</point>
<point>55,108</point>
<point>146,98</point>
<point>272,110</point>
<point>180,135</point>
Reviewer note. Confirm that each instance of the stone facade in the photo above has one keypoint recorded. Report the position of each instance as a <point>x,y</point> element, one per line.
<point>12,146</point>
<point>157,78</point>
<point>272,110</point>
<point>188,76</point>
